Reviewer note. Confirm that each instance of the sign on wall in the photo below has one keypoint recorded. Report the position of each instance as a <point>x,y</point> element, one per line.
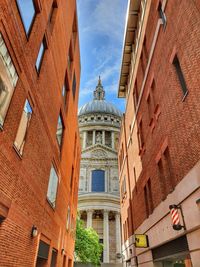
<point>141,241</point>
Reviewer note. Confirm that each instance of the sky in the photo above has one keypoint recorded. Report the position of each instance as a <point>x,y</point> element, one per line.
<point>101,34</point>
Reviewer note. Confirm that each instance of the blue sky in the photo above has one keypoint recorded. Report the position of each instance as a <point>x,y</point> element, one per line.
<point>101,33</point>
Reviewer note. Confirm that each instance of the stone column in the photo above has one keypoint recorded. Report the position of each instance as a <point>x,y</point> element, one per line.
<point>103,137</point>
<point>94,138</point>
<point>84,139</point>
<point>89,218</point>
<point>112,140</point>
<point>118,234</point>
<point>106,236</point>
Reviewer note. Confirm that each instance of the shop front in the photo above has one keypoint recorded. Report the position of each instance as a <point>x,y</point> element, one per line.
<point>172,254</point>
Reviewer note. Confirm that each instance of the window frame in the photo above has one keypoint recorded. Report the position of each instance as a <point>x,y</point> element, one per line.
<point>162,15</point>
<point>66,88</point>
<point>180,75</point>
<point>53,205</point>
<point>13,81</point>
<point>74,85</point>
<point>63,129</point>
<point>21,149</point>
<point>44,43</point>
<point>104,181</point>
<point>36,11</point>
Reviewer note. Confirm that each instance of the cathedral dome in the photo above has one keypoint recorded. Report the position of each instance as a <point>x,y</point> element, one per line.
<point>98,104</point>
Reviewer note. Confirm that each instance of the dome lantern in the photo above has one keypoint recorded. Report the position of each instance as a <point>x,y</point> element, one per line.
<point>99,93</point>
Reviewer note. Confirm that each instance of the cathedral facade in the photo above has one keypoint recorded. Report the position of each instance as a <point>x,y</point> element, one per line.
<point>99,201</point>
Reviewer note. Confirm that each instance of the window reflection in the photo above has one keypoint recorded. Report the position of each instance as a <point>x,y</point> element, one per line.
<point>98,181</point>
<point>23,128</point>
<point>27,13</point>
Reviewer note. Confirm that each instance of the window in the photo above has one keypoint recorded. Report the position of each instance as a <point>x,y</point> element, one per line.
<point>135,178</point>
<point>68,218</point>
<point>123,188</point>
<point>74,31</point>
<point>72,177</point>
<point>151,101</point>
<point>27,10</point>
<point>140,135</point>
<point>60,130</point>
<point>23,128</point>
<point>165,173</point>
<point>148,198</point>
<point>135,96</point>
<point>40,56</point>
<point>75,144</point>
<point>43,253</point>
<point>65,91</point>
<point>54,257</point>
<point>70,59</point>
<point>162,15</point>
<point>98,181</point>
<point>74,86</point>
<point>53,11</point>
<point>52,187</point>
<point>108,139</point>
<point>181,78</point>
<point>8,80</point>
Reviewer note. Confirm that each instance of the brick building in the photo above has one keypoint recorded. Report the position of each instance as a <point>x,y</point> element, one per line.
<point>159,154</point>
<point>39,138</point>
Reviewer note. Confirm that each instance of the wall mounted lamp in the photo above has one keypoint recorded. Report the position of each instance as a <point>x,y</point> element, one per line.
<point>62,251</point>
<point>34,231</point>
<point>198,203</point>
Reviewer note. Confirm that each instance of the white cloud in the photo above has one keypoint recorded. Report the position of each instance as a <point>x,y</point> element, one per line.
<point>106,18</point>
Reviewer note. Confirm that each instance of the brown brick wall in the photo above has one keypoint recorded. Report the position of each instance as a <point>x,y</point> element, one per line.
<point>175,123</point>
<point>24,180</point>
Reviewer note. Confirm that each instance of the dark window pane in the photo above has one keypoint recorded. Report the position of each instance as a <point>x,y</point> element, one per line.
<point>74,85</point>
<point>27,12</point>
<point>65,91</point>
<point>98,181</point>
<point>54,257</point>
<point>179,72</point>
<point>43,250</point>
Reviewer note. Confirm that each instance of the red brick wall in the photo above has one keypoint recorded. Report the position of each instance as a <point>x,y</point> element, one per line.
<point>177,125</point>
<point>24,180</point>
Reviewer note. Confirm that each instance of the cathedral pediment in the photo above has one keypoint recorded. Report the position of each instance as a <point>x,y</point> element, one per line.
<point>99,151</point>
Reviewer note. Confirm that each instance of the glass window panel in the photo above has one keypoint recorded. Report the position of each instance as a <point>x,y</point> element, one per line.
<point>52,187</point>
<point>27,12</point>
<point>74,85</point>
<point>23,127</point>
<point>40,56</point>
<point>68,218</point>
<point>8,80</point>
<point>98,181</point>
<point>60,128</point>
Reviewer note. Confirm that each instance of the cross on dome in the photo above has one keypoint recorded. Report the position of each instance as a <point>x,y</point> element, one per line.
<point>99,93</point>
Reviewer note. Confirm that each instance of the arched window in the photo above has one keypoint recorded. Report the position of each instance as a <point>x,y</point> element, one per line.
<point>98,181</point>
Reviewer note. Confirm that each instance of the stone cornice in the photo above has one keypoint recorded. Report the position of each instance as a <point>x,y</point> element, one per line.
<point>103,147</point>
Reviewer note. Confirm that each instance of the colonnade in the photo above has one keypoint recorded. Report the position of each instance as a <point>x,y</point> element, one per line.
<point>106,232</point>
<point>103,142</point>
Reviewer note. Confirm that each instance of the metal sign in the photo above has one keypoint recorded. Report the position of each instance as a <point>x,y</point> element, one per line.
<point>141,241</point>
